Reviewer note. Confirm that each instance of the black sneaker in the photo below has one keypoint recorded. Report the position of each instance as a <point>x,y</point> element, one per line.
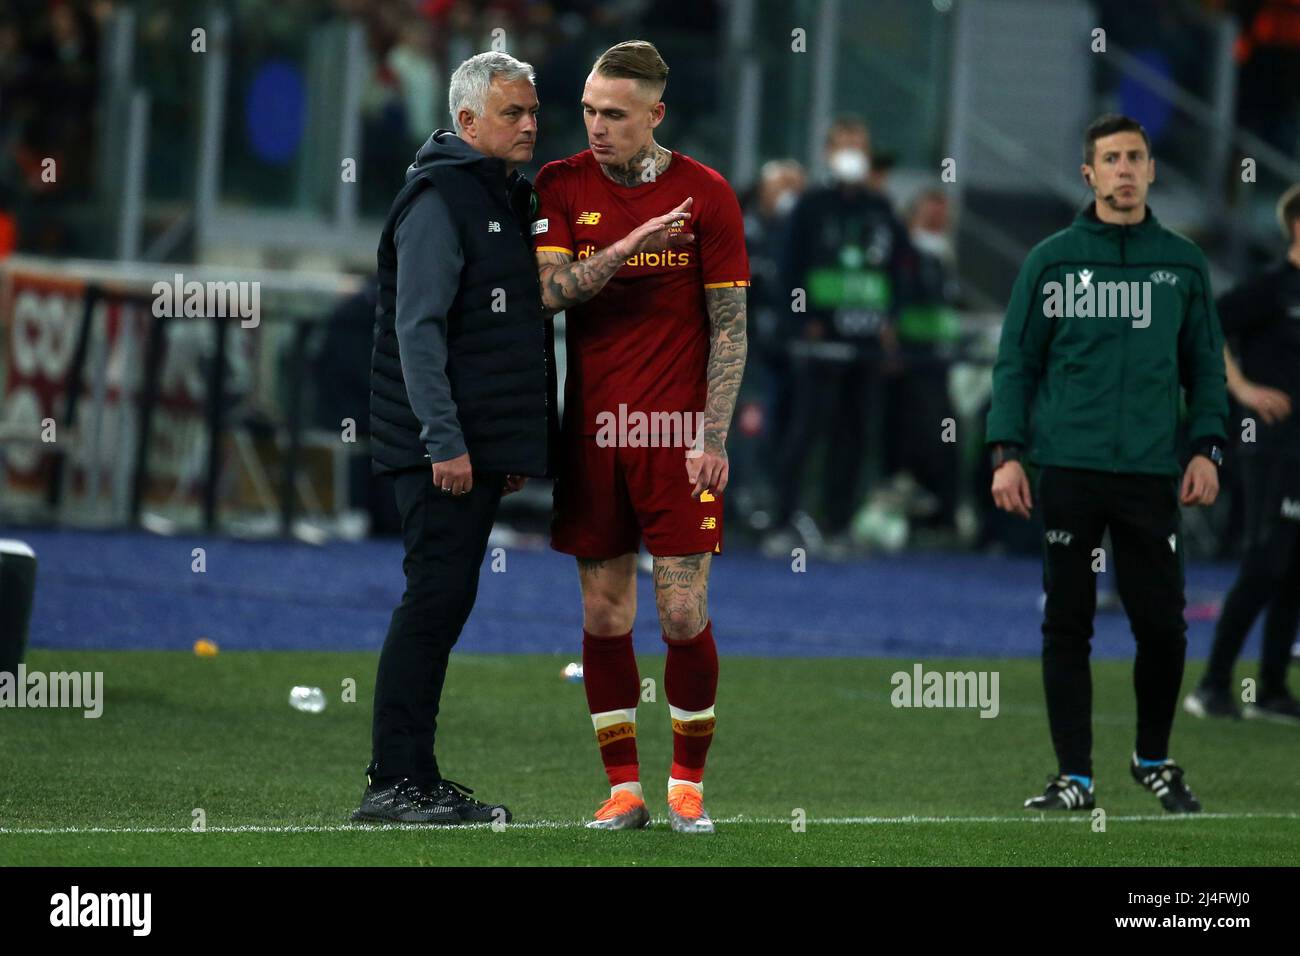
<point>1166,782</point>
<point>402,801</point>
<point>1283,709</point>
<point>454,798</point>
<point>1063,793</point>
<point>1208,702</point>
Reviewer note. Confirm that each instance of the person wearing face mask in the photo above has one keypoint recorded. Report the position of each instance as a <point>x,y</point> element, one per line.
<point>847,266</point>
<point>766,389</point>
<point>917,396</point>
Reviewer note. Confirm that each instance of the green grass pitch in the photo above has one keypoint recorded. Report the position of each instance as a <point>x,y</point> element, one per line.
<point>817,738</point>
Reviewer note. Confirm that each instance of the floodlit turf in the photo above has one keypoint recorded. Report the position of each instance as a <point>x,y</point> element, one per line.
<point>810,737</point>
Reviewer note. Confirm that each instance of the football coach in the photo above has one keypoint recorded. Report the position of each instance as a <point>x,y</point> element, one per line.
<point>462,408</point>
<point>1107,319</point>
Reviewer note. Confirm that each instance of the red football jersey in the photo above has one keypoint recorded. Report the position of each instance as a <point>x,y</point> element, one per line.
<point>643,340</point>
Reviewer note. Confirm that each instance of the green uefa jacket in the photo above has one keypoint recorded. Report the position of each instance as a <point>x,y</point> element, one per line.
<point>1106,326</point>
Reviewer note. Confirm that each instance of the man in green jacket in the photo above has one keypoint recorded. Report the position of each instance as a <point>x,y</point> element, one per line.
<point>1110,321</point>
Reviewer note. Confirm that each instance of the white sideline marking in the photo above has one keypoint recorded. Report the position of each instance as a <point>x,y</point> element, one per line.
<point>1028,817</point>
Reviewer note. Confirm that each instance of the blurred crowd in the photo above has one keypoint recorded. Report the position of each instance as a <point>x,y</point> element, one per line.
<point>416,44</point>
<point>1267,53</point>
<point>845,420</point>
<point>841,437</point>
<point>1177,39</point>
<point>52,94</point>
<point>49,58</point>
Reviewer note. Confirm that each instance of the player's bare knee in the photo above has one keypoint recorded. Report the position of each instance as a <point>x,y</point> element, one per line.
<point>681,595</point>
<point>681,621</point>
<point>608,594</point>
<point>606,614</point>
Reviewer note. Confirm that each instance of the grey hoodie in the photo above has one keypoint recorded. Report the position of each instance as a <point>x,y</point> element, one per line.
<point>429,263</point>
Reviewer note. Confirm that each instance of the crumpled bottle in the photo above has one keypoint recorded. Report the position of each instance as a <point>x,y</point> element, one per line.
<point>310,700</point>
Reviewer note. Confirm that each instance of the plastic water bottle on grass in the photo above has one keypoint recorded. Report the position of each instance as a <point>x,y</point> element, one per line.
<point>310,700</point>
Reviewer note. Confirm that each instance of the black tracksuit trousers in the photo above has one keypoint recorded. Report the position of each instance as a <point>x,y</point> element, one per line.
<point>445,537</point>
<point>829,398</point>
<point>1141,511</point>
<point>1269,576</point>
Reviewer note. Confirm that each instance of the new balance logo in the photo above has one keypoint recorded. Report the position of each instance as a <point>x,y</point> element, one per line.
<point>1059,537</point>
<point>494,226</point>
<point>588,218</point>
<point>708,524</point>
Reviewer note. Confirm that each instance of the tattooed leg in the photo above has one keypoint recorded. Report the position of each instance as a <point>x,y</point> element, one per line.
<point>682,594</point>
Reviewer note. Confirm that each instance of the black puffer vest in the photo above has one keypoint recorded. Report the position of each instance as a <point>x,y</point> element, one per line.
<point>500,344</point>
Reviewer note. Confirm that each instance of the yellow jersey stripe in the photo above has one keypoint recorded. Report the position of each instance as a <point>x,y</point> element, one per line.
<point>725,285</point>
<point>553,249</point>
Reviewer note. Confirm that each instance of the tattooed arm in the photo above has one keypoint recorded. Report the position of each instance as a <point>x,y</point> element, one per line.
<point>727,348</point>
<point>566,282</point>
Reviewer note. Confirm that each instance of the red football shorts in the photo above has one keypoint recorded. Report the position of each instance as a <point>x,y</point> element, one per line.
<point>607,499</point>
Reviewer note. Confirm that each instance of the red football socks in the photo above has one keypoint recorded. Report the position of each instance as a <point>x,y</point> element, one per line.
<point>613,687</point>
<point>691,685</point>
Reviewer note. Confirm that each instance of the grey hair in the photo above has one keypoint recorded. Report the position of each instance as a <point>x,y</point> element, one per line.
<point>473,78</point>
